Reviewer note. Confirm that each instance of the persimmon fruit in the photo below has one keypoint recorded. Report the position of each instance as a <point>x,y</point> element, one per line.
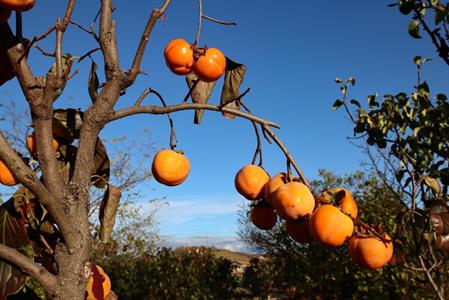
<point>370,252</point>
<point>32,145</point>
<point>329,226</point>
<point>6,176</point>
<point>179,57</point>
<point>250,182</point>
<point>293,200</point>
<point>18,5</point>
<point>4,14</point>
<point>299,231</point>
<point>275,182</point>
<point>210,66</point>
<point>170,167</point>
<point>343,199</point>
<point>99,285</point>
<point>263,217</point>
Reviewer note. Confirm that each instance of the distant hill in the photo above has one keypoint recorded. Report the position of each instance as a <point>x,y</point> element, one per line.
<point>237,257</point>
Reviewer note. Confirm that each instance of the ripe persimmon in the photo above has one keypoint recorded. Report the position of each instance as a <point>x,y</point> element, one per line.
<point>32,145</point>
<point>370,252</point>
<point>210,66</point>
<point>293,200</point>
<point>250,182</point>
<point>6,176</point>
<point>179,56</point>
<point>170,167</point>
<point>263,217</point>
<point>4,14</point>
<point>343,199</point>
<point>99,285</point>
<point>329,226</point>
<point>272,185</point>
<point>299,231</point>
<point>18,5</point>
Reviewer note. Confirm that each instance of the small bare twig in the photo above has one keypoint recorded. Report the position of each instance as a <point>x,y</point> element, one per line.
<point>430,279</point>
<point>218,21</point>
<point>186,98</point>
<point>88,54</point>
<point>19,25</point>
<point>170,120</point>
<point>46,53</point>
<point>236,99</point>
<point>89,31</point>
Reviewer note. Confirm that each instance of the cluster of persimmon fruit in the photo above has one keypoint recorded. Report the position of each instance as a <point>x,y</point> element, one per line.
<point>7,6</point>
<point>183,58</point>
<point>327,219</point>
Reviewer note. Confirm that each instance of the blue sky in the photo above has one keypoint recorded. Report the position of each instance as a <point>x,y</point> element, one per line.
<point>293,51</point>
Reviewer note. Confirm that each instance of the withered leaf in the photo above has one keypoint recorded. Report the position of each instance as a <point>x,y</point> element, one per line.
<point>7,38</point>
<point>200,93</point>
<point>108,211</point>
<point>93,82</point>
<point>102,166</point>
<point>234,76</point>
<point>434,184</point>
<point>13,234</point>
<point>67,124</point>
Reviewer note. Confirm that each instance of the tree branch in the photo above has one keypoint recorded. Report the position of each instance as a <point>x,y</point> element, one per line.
<point>159,110</point>
<point>107,40</point>
<point>44,277</point>
<point>155,15</point>
<point>430,279</point>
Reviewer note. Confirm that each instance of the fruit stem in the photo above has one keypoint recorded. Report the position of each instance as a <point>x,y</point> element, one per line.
<point>173,139</point>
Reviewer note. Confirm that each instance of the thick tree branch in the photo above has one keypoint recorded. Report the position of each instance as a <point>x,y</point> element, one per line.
<point>45,278</point>
<point>107,40</point>
<point>159,110</point>
<point>155,15</point>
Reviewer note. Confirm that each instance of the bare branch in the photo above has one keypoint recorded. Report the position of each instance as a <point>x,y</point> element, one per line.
<point>44,277</point>
<point>219,21</point>
<point>430,279</point>
<point>159,110</point>
<point>155,15</point>
<point>107,40</point>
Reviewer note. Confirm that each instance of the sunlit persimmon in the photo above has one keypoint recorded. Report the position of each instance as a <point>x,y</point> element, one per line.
<point>6,176</point>
<point>329,226</point>
<point>263,217</point>
<point>275,182</point>
<point>179,56</point>
<point>210,66</point>
<point>293,200</point>
<point>370,252</point>
<point>170,167</point>
<point>99,285</point>
<point>342,198</point>
<point>4,14</point>
<point>250,182</point>
<point>18,5</point>
<point>32,145</point>
<point>299,231</point>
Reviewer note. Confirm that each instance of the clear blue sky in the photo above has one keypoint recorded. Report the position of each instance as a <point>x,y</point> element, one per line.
<point>293,51</point>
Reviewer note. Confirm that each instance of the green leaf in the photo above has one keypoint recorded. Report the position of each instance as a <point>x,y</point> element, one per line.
<point>440,15</point>
<point>338,80</point>
<point>66,64</point>
<point>413,29</point>
<point>102,166</point>
<point>200,93</point>
<point>234,75</point>
<point>93,82</point>
<point>372,101</point>
<point>351,80</point>
<point>337,104</point>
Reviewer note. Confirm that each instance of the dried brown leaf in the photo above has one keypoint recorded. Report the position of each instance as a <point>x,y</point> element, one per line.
<point>233,78</point>
<point>200,93</point>
<point>108,211</point>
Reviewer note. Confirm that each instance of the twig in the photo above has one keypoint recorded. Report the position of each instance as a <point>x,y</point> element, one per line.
<point>170,120</point>
<point>218,21</point>
<point>195,83</point>
<point>258,151</point>
<point>155,15</point>
<point>237,98</point>
<point>430,279</point>
<point>89,31</point>
<point>44,52</point>
<point>19,25</point>
<point>88,54</point>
